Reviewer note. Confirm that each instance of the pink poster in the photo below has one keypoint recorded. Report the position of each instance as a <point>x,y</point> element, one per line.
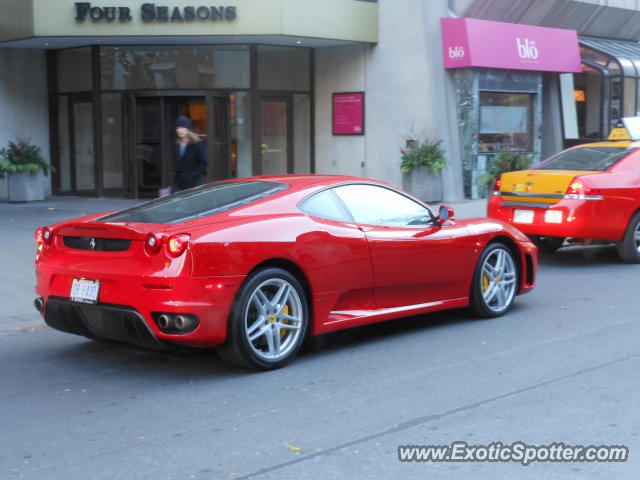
<point>469,42</point>
<point>348,113</point>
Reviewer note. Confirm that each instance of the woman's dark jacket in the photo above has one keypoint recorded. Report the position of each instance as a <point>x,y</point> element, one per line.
<point>190,168</point>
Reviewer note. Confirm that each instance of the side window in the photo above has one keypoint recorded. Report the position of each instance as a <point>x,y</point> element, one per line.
<point>325,205</point>
<point>373,205</point>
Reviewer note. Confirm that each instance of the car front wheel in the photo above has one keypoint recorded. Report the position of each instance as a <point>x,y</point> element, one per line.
<point>268,321</point>
<point>495,281</point>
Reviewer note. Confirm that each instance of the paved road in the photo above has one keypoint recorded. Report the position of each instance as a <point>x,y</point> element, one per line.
<point>563,366</point>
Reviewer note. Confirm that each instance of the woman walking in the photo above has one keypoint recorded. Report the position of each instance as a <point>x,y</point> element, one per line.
<point>190,165</point>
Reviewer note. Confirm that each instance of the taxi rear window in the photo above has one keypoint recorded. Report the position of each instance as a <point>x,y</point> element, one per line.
<point>587,158</point>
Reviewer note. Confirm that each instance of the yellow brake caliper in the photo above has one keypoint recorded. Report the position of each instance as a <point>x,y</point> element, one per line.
<point>485,282</point>
<point>283,332</point>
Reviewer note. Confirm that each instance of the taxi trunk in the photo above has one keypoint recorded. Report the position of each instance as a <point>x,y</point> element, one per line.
<point>538,186</point>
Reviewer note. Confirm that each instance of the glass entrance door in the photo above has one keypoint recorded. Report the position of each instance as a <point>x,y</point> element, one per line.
<point>148,146</point>
<point>82,157</point>
<point>195,109</point>
<point>275,136</point>
<point>152,150</point>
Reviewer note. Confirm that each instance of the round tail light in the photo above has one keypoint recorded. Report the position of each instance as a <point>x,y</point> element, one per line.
<point>153,243</point>
<point>177,244</point>
<point>43,236</point>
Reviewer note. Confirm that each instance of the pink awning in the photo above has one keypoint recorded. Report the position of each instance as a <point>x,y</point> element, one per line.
<point>469,42</point>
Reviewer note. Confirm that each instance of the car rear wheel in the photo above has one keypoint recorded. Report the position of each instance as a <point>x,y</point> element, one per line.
<point>495,281</point>
<point>547,244</point>
<point>629,246</point>
<point>268,321</point>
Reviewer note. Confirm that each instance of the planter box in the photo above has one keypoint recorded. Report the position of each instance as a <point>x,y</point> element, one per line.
<point>420,183</point>
<point>24,187</point>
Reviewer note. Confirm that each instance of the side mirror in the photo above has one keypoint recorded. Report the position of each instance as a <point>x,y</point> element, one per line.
<point>445,213</point>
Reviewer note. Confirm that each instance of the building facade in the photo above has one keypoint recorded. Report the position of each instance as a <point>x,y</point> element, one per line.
<point>295,86</point>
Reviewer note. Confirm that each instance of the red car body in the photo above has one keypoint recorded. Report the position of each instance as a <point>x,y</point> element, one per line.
<point>353,274</point>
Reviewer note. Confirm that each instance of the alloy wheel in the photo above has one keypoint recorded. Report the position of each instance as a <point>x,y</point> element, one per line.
<point>273,319</point>
<point>498,280</point>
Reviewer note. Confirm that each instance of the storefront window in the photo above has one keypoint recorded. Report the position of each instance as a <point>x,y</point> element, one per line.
<point>302,133</point>
<point>223,66</point>
<point>240,110</point>
<point>112,146</point>
<point>506,122</point>
<point>64,159</point>
<point>74,70</point>
<point>283,68</point>
<point>629,97</point>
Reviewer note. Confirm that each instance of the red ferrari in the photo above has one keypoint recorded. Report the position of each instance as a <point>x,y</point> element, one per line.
<point>255,265</point>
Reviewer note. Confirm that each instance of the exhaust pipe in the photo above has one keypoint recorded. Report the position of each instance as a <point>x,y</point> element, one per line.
<point>165,322</point>
<point>183,322</point>
<point>39,304</point>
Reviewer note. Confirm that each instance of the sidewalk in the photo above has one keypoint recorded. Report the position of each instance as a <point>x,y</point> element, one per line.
<point>17,247</point>
<point>469,208</point>
<point>18,221</point>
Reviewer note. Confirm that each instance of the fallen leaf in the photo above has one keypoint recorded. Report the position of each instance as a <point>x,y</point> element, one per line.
<point>292,448</point>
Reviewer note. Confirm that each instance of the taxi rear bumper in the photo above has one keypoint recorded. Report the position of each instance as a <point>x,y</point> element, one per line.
<point>552,217</point>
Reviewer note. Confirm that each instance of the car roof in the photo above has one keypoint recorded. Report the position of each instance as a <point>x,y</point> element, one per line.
<point>308,180</point>
<point>613,144</point>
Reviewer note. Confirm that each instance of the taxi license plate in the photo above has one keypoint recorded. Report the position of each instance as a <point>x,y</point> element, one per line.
<point>522,216</point>
<point>84,291</point>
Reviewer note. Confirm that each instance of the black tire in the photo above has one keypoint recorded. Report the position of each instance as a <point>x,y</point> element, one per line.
<point>238,349</point>
<point>629,246</point>
<point>480,283</point>
<point>547,244</point>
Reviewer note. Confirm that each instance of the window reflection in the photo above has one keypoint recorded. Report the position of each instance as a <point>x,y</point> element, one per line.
<point>222,66</point>
<point>506,122</point>
<point>325,205</point>
<point>373,205</point>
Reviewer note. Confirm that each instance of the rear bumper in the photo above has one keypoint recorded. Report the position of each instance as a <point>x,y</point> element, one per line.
<point>112,322</point>
<point>128,305</point>
<point>579,218</point>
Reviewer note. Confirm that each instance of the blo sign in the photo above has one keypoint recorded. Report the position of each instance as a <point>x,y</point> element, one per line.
<point>470,42</point>
<point>456,52</point>
<point>527,49</point>
<point>149,12</point>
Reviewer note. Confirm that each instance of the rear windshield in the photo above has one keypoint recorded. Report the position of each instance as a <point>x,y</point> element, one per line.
<point>196,202</point>
<point>587,158</point>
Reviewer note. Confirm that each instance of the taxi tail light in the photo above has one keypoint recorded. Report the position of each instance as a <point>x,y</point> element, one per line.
<point>153,243</point>
<point>177,244</point>
<point>496,187</point>
<point>581,189</point>
<point>43,236</point>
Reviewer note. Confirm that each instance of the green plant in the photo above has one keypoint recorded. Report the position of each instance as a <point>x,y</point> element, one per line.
<point>428,154</point>
<point>23,156</point>
<point>504,162</point>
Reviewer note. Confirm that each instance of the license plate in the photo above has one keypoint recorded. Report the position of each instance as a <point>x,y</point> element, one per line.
<point>84,291</point>
<point>522,216</point>
<point>553,216</point>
